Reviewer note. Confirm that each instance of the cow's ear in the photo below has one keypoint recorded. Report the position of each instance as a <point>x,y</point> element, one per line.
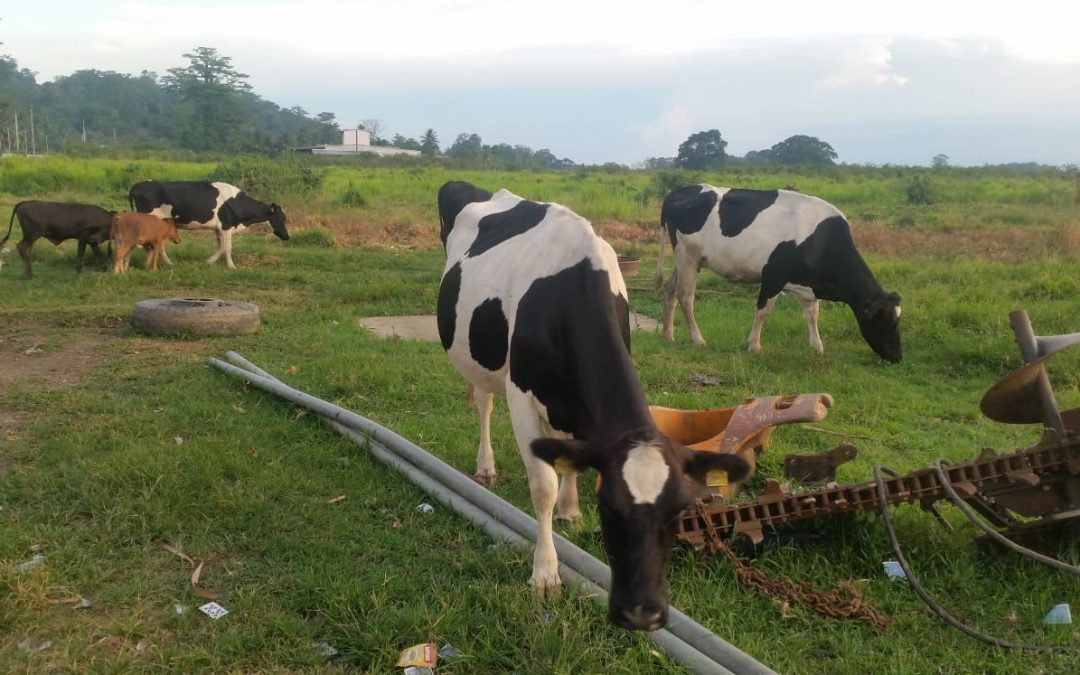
<point>565,454</point>
<point>894,298</point>
<point>715,468</point>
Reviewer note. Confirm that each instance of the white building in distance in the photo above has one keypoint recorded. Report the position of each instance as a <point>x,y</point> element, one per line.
<point>356,141</point>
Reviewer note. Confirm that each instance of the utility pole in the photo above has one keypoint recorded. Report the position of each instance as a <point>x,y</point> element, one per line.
<point>33,137</point>
<point>84,130</point>
<point>16,131</point>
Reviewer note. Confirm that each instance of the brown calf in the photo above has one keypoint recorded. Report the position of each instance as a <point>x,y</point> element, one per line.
<point>131,230</point>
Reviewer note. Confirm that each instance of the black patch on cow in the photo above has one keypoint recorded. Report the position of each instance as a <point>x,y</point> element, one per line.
<point>453,197</point>
<point>496,228</point>
<point>784,265</point>
<point>739,208</point>
<point>569,348</point>
<point>192,201</point>
<point>686,210</point>
<point>622,317</point>
<point>446,308</point>
<point>827,262</point>
<point>489,334</point>
<point>242,210</point>
<point>146,196</point>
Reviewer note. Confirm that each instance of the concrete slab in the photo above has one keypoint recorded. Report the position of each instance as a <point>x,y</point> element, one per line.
<point>422,327</point>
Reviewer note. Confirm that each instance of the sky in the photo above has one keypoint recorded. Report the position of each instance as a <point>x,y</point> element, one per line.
<point>983,82</point>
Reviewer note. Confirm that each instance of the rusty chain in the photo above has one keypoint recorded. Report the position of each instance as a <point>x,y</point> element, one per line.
<point>840,603</point>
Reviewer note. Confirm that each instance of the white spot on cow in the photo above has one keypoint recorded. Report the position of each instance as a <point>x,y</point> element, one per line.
<point>645,472</point>
<point>898,311</point>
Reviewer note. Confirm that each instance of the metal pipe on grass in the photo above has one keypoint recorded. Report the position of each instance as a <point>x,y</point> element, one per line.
<point>687,631</point>
<point>679,651</point>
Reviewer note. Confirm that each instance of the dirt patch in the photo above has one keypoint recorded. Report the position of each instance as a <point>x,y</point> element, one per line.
<point>1007,244</point>
<point>31,359</point>
<point>1012,244</point>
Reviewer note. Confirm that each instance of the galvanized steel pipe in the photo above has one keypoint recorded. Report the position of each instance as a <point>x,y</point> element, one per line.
<point>685,640</point>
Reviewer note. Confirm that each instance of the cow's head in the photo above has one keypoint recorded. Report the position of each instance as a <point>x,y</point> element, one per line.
<point>174,233</point>
<point>879,321</point>
<point>646,484</point>
<point>276,217</point>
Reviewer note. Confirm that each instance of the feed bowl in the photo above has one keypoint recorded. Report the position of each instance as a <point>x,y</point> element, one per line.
<point>628,265</point>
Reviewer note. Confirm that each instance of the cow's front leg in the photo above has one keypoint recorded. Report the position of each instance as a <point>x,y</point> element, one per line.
<point>543,486</point>
<point>226,244</point>
<point>165,258</point>
<point>810,306</point>
<point>669,305</point>
<point>568,509</point>
<point>79,256</point>
<point>220,247</point>
<point>753,342</point>
<point>98,255</point>
<point>485,456</point>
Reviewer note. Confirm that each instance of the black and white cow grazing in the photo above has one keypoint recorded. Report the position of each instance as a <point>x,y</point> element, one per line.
<point>784,240</point>
<point>202,205</point>
<point>532,306</point>
<point>57,222</point>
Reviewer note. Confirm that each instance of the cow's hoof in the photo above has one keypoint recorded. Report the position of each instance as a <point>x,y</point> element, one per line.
<point>569,519</point>
<point>196,316</point>
<point>486,479</point>
<point>546,586</point>
<point>754,349</point>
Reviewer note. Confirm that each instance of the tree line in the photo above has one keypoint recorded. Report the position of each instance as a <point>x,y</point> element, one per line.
<point>207,106</point>
<point>204,106</point>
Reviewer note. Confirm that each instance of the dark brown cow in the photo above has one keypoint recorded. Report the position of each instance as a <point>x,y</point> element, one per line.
<point>57,222</point>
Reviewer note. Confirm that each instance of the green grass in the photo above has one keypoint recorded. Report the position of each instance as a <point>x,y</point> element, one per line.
<point>91,475</point>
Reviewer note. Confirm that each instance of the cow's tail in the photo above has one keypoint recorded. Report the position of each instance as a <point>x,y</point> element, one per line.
<point>658,278</point>
<point>11,222</point>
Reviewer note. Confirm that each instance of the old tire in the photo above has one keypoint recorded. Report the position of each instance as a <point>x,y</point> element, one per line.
<point>196,316</point>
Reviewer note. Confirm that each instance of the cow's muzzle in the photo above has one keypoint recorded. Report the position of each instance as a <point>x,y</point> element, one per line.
<point>639,617</point>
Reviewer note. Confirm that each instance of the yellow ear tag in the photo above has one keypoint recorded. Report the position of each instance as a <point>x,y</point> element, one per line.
<point>716,478</point>
<point>563,465</point>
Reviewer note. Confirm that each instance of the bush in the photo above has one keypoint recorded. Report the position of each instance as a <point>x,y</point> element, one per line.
<point>664,182</point>
<point>920,190</point>
<point>352,197</point>
<point>268,178</point>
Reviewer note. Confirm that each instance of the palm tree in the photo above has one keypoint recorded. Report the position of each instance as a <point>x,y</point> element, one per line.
<point>429,143</point>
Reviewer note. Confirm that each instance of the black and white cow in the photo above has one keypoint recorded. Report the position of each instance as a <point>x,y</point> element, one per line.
<point>57,222</point>
<point>532,306</point>
<point>785,240</point>
<point>203,205</point>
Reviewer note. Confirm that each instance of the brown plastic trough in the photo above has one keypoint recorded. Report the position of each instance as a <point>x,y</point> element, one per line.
<point>743,430</point>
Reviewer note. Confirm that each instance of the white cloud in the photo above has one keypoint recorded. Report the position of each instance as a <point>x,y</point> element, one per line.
<point>600,80</point>
<point>866,63</point>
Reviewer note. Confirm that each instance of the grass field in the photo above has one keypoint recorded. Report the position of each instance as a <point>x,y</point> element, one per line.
<point>111,442</point>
